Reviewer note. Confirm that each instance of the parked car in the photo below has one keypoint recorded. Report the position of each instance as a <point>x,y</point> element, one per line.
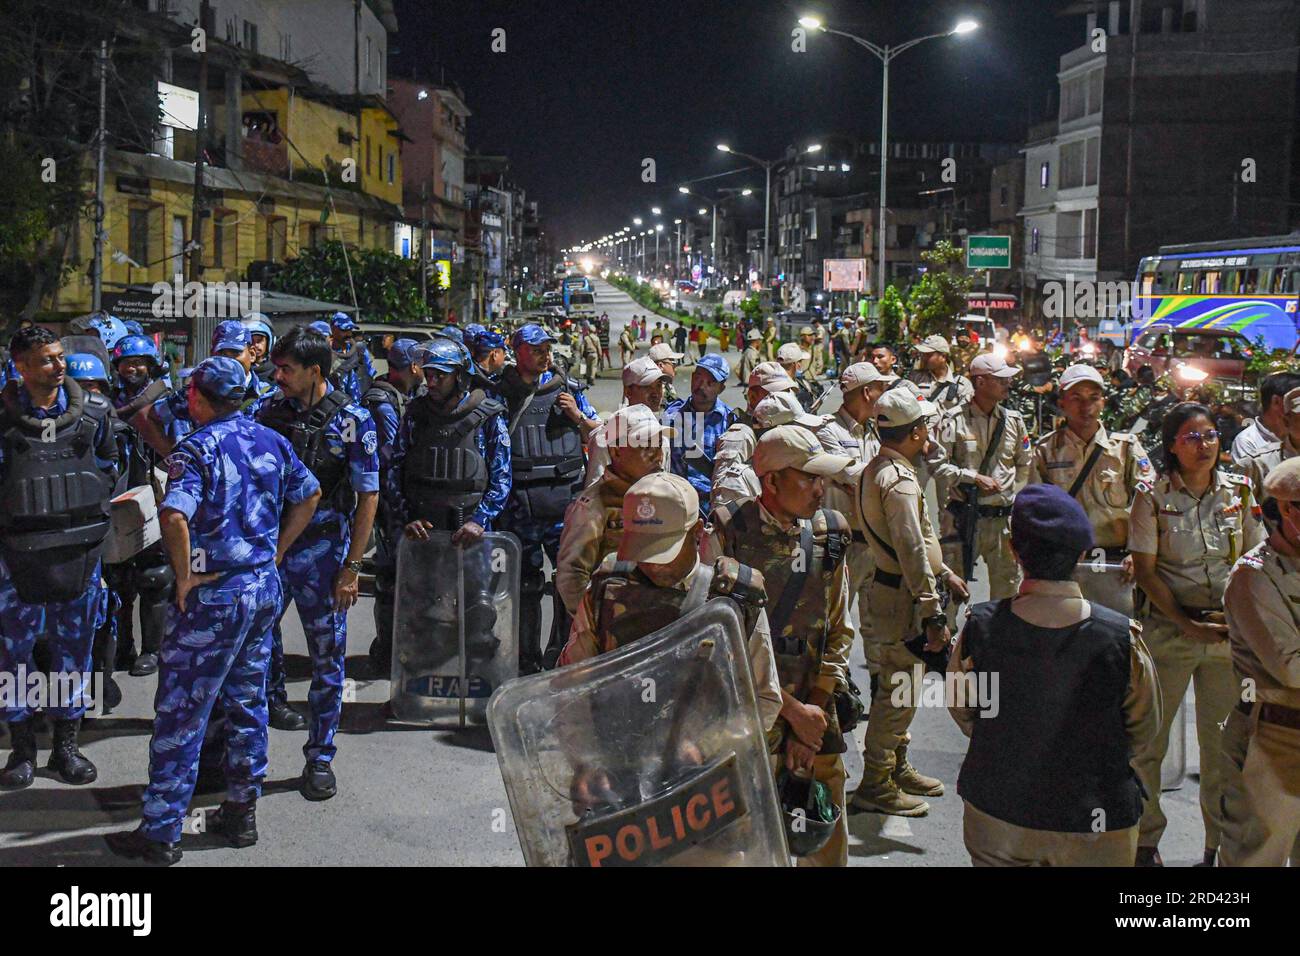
<point>979,327</point>
<point>1191,355</point>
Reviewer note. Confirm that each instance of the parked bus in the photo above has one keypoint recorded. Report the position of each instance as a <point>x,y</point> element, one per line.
<point>1251,286</point>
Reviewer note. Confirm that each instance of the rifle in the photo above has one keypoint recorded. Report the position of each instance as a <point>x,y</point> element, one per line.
<point>966,513</point>
<point>812,409</point>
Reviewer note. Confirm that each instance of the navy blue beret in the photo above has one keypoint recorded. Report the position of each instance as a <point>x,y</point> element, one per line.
<point>1046,516</point>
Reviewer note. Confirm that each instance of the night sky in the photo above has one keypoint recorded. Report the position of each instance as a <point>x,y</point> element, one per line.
<point>586,89</point>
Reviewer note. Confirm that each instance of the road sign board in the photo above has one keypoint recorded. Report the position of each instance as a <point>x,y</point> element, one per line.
<point>988,252</point>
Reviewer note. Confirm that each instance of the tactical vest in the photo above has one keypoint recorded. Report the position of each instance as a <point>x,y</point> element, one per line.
<point>1058,751</point>
<point>383,392</point>
<point>54,499</point>
<point>265,371</point>
<point>444,476</point>
<point>798,618</point>
<point>546,448</point>
<point>351,362</point>
<point>305,431</point>
<point>629,606</point>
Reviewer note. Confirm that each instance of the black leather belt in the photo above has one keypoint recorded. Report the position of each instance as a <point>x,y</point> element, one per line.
<point>887,579</point>
<point>995,511</point>
<point>1287,717</point>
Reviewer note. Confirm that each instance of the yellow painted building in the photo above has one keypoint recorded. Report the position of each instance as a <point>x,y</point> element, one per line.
<point>265,211</point>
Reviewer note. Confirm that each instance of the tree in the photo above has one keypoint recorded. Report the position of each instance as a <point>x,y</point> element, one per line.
<point>940,295</point>
<point>893,317</point>
<point>49,111</point>
<point>752,308</point>
<point>387,286</point>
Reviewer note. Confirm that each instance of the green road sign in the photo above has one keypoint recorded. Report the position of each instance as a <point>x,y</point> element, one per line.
<point>988,252</point>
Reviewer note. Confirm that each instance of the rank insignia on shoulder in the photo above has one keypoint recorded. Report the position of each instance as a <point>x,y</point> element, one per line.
<point>1025,443</point>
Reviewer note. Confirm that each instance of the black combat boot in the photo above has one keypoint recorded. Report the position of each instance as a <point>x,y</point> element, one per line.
<point>318,780</point>
<point>237,822</point>
<point>1148,856</point>
<point>65,759</point>
<point>283,717</point>
<point>134,845</point>
<point>20,769</point>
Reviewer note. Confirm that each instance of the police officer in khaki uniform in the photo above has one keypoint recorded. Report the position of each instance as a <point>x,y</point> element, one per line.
<point>771,339</point>
<point>792,358</point>
<point>590,348</point>
<point>635,444</point>
<point>736,446</point>
<point>1048,780</point>
<point>1102,472</point>
<point>1185,534</point>
<point>626,345</point>
<point>663,355</point>
<point>938,383</point>
<point>661,534</point>
<point>799,546</point>
<point>966,434</point>
<point>1261,803</point>
<point>752,356</point>
<point>1258,464</point>
<point>738,480</point>
<point>904,600</point>
<point>644,383</point>
<point>852,432</point>
<point>814,366</point>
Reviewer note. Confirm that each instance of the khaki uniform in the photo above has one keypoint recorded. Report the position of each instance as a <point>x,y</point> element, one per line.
<point>965,434</point>
<point>771,342</point>
<point>947,392</point>
<point>593,526</point>
<point>733,478</point>
<point>821,608</point>
<point>1258,465</point>
<point>598,456</point>
<point>1261,801</point>
<point>748,359</point>
<point>814,367</point>
<point>994,842</point>
<point>901,594</point>
<point>1106,496</point>
<point>585,642</point>
<point>590,356</point>
<point>1196,542</point>
<point>626,345</point>
<point>843,436</point>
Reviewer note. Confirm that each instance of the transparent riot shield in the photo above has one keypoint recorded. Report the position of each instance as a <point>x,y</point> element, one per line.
<point>651,755</point>
<point>1102,582</point>
<point>455,626</point>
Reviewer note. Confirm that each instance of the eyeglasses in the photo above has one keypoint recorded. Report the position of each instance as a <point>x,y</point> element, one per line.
<point>1201,438</point>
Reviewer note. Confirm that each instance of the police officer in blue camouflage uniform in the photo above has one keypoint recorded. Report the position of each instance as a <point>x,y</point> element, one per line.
<point>237,498</point>
<point>167,420</point>
<point>353,370</point>
<point>386,401</point>
<point>489,352</point>
<point>550,420</point>
<point>52,432</point>
<point>263,335</point>
<point>700,421</point>
<point>336,439</point>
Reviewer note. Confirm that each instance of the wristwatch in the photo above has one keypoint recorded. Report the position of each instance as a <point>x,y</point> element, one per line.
<point>938,620</point>
<point>354,566</point>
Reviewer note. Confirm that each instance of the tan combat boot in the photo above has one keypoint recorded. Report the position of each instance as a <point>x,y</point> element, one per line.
<point>885,797</point>
<point>911,780</point>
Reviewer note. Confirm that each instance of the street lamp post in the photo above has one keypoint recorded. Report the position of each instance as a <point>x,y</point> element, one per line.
<point>677,268</point>
<point>885,54</point>
<point>767,198</point>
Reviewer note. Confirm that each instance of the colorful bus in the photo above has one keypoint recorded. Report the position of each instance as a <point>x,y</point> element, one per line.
<point>1251,286</point>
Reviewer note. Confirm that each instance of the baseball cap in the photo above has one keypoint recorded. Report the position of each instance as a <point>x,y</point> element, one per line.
<point>789,446</point>
<point>401,354</point>
<point>219,377</point>
<point>231,334</point>
<point>771,377</point>
<point>633,426</point>
<point>643,371</point>
<point>1075,374</point>
<point>488,340</point>
<point>1047,515</point>
<point>1291,401</point>
<point>990,364</point>
<point>715,365</point>
<point>753,335</point>
<point>320,328</point>
<point>934,343</point>
<point>783,408</point>
<point>664,352</point>
<point>341,320</point>
<point>530,334</point>
<point>791,352</point>
<point>1283,482</point>
<point>898,407</point>
<point>807,330</point>
<point>658,510</point>
<point>862,373</point>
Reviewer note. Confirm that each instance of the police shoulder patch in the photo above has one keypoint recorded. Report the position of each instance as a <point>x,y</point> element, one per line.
<point>177,462</point>
<point>370,442</point>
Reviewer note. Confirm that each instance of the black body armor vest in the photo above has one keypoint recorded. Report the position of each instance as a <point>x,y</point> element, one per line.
<point>547,460</point>
<point>444,476</point>
<point>305,431</point>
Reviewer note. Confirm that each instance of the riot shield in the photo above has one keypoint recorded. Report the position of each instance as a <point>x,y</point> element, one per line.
<point>651,755</point>
<point>455,626</point>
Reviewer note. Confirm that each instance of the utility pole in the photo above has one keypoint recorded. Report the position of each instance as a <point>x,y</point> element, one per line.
<point>424,248</point>
<point>200,144</point>
<point>101,135</point>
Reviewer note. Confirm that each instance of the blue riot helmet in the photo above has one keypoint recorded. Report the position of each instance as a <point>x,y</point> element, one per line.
<point>134,327</point>
<point>109,328</point>
<point>453,332</point>
<point>445,354</point>
<point>134,345</point>
<point>259,324</point>
<point>84,367</point>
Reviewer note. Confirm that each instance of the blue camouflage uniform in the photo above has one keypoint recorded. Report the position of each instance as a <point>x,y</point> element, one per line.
<point>307,576</point>
<point>355,381</point>
<point>696,443</point>
<point>230,479</point>
<point>68,626</point>
<point>172,410</point>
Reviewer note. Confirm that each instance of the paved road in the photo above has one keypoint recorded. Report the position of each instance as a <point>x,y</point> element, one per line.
<point>434,797</point>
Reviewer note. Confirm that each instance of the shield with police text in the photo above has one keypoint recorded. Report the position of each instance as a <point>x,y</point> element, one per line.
<point>455,626</point>
<point>650,755</point>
